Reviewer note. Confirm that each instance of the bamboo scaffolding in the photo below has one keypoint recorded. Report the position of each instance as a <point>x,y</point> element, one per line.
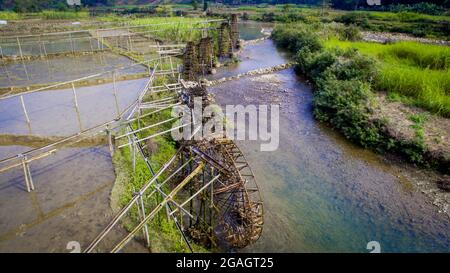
<point>169,197</point>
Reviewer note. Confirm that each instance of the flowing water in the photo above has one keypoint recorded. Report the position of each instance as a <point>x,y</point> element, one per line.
<point>320,192</point>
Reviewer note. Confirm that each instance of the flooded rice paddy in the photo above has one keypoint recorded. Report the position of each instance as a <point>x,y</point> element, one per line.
<point>321,193</point>
<point>53,112</point>
<point>64,68</point>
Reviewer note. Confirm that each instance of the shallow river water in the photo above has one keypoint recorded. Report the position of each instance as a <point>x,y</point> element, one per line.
<point>320,192</point>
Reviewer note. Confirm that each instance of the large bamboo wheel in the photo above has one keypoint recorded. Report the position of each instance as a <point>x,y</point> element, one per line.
<point>236,197</point>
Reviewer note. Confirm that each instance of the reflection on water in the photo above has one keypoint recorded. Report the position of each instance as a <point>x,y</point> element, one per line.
<point>52,113</point>
<point>70,202</point>
<point>251,30</point>
<point>322,193</point>
<point>252,57</point>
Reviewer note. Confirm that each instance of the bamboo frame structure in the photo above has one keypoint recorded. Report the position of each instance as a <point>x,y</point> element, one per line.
<point>220,195</point>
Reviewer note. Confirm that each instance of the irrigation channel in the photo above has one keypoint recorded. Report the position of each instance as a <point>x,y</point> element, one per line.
<point>319,192</point>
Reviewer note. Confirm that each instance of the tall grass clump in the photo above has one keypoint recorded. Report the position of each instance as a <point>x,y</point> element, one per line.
<point>63,15</point>
<point>171,28</point>
<point>424,56</point>
<point>9,15</point>
<point>418,74</point>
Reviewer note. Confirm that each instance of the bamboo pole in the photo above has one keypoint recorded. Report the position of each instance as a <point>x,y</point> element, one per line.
<point>25,110</point>
<point>27,182</point>
<point>4,169</point>
<point>115,93</point>
<point>125,209</point>
<point>20,48</point>
<point>71,43</point>
<point>142,209</point>
<point>169,197</point>
<point>28,172</point>
<point>147,127</point>
<point>156,134</point>
<point>196,193</point>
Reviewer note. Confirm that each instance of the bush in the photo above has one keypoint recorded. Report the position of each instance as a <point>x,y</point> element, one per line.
<point>268,17</point>
<point>314,64</point>
<point>296,38</point>
<point>354,18</point>
<point>423,7</point>
<point>344,104</point>
<point>354,66</point>
<point>350,33</point>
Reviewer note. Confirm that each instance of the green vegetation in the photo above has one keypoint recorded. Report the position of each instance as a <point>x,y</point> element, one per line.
<point>164,235</point>
<point>171,28</point>
<point>9,15</point>
<point>419,121</point>
<point>410,20</point>
<point>346,75</point>
<point>416,73</point>
<point>59,15</point>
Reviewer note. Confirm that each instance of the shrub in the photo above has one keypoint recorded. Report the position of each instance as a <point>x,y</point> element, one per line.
<point>350,33</point>
<point>352,65</point>
<point>295,39</point>
<point>344,104</point>
<point>268,17</point>
<point>314,64</point>
<point>354,18</point>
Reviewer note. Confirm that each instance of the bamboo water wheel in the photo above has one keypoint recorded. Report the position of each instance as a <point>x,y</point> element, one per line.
<point>237,205</point>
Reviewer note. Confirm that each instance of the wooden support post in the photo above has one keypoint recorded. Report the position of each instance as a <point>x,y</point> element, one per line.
<point>30,179</point>
<point>171,66</point>
<point>131,43</point>
<point>129,140</point>
<point>98,41</point>
<point>40,46</point>
<point>134,154</point>
<point>75,96</point>
<point>20,48</point>
<point>110,141</point>
<point>25,174</point>
<point>142,210</point>
<point>25,111</point>
<point>75,100</point>
<point>115,94</point>
<point>71,43</point>
<point>90,44</point>
<point>45,50</point>
<point>1,52</point>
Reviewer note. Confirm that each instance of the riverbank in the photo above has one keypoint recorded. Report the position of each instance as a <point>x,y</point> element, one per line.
<point>321,192</point>
<point>346,98</point>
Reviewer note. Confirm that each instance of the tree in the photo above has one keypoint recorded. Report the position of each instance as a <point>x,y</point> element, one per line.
<point>194,4</point>
<point>205,5</point>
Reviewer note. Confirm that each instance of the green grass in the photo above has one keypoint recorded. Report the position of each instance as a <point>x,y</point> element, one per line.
<point>9,15</point>
<point>418,74</point>
<point>63,15</point>
<point>171,28</point>
<point>164,235</point>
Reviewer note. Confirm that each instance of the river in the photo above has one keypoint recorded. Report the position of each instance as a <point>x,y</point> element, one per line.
<point>322,193</point>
